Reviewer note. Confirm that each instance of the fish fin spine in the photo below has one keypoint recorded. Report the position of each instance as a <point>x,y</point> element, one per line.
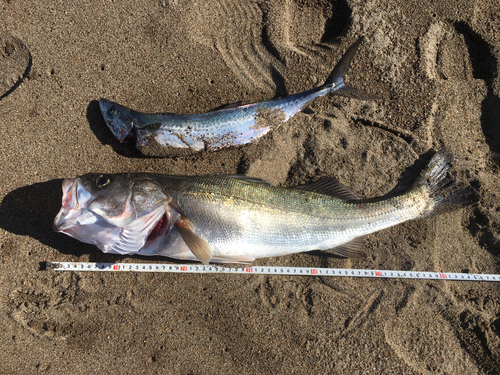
<point>243,177</point>
<point>330,186</point>
<point>351,249</point>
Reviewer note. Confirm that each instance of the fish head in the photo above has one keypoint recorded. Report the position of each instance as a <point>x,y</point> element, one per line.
<point>119,119</point>
<point>118,213</point>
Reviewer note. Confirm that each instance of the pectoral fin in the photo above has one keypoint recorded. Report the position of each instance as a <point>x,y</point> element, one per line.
<point>198,246</point>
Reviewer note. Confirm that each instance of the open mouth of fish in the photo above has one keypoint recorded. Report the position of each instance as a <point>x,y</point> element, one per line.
<point>73,200</point>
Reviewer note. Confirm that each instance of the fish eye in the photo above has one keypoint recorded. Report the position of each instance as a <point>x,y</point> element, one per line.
<point>102,181</point>
<point>111,110</point>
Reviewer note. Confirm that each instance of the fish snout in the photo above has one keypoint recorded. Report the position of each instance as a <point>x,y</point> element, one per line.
<point>117,118</point>
<point>75,199</point>
<point>69,203</point>
<point>69,187</point>
<point>60,222</point>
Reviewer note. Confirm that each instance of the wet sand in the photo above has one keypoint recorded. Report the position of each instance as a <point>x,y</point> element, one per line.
<point>435,65</point>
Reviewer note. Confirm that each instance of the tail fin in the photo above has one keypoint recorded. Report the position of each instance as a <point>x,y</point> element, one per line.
<point>440,181</point>
<point>336,77</point>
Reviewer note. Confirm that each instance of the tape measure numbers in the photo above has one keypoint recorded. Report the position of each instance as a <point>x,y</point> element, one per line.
<point>267,270</point>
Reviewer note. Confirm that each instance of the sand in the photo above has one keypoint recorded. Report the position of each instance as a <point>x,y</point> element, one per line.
<point>435,65</point>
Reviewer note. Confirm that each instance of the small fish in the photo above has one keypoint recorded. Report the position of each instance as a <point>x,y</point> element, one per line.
<point>166,135</point>
<point>238,219</point>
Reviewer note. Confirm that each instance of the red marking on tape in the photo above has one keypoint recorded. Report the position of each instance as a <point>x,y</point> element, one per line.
<point>314,272</point>
<point>116,267</point>
<point>378,273</point>
<point>443,276</point>
<point>184,268</point>
<point>248,269</point>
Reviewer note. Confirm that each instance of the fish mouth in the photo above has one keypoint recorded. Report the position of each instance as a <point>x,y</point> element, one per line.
<point>118,119</point>
<point>69,204</point>
<point>75,197</point>
<point>60,223</point>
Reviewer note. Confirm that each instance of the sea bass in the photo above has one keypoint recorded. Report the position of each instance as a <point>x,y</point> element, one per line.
<point>165,135</point>
<point>238,219</point>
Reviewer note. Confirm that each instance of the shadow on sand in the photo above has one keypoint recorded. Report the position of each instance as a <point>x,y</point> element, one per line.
<point>30,211</point>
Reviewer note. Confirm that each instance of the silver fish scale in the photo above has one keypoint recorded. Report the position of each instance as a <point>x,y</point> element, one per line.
<point>224,128</point>
<point>232,215</point>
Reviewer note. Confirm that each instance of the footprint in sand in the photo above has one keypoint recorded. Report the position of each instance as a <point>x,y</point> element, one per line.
<point>268,33</point>
<point>60,309</point>
<point>465,111</point>
<point>306,305</point>
<point>458,328</point>
<point>448,60</point>
<point>15,63</point>
<point>455,116</point>
<point>44,310</point>
<point>415,327</point>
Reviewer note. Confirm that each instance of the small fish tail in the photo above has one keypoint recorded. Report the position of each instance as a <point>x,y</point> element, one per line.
<point>442,187</point>
<point>335,80</point>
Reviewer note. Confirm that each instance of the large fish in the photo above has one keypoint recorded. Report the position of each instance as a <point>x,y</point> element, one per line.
<point>239,219</point>
<point>164,135</point>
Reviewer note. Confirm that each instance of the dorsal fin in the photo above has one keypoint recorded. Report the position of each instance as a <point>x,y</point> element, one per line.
<point>227,106</point>
<point>330,186</point>
<point>349,249</point>
<point>242,177</point>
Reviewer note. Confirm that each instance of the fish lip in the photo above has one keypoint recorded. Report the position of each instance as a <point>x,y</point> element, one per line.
<point>63,219</point>
<point>56,227</point>
<point>121,129</point>
<point>60,225</point>
<point>69,202</point>
<point>70,205</point>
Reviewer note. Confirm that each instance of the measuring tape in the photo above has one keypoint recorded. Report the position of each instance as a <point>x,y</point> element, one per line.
<point>267,270</point>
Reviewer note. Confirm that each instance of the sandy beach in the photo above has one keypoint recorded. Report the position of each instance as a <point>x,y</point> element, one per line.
<point>433,63</point>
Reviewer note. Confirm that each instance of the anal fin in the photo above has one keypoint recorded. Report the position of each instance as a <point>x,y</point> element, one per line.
<point>198,246</point>
<point>349,249</point>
